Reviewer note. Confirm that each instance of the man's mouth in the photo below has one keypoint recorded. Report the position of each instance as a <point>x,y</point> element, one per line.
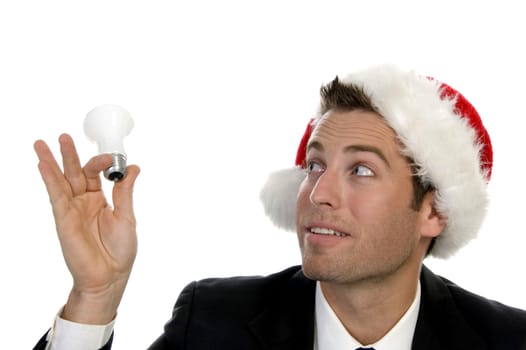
<point>327,231</point>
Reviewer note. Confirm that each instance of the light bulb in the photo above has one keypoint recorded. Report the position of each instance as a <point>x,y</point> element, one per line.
<point>107,126</point>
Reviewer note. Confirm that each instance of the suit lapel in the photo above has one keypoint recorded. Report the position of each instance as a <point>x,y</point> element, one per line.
<point>288,321</point>
<point>440,325</point>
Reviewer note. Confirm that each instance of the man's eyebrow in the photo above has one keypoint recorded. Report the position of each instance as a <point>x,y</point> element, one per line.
<point>367,148</point>
<point>316,145</point>
<point>351,149</point>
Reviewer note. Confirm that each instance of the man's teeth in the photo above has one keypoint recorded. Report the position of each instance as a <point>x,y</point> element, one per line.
<point>326,231</point>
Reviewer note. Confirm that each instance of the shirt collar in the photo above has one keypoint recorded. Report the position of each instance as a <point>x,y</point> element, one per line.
<point>331,334</point>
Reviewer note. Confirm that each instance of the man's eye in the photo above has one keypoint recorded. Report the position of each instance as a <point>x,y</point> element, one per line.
<point>360,170</point>
<point>313,167</point>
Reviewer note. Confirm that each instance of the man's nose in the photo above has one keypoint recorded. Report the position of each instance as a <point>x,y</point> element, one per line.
<point>327,191</point>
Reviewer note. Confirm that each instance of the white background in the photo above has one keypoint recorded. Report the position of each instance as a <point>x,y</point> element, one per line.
<point>221,92</point>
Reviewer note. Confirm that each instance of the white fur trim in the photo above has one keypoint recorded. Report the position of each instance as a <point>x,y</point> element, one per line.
<point>279,196</point>
<point>440,142</point>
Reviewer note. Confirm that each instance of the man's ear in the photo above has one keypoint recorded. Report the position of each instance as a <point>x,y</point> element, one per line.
<point>432,223</point>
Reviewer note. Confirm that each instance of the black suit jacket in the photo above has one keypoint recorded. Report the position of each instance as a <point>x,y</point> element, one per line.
<point>277,312</point>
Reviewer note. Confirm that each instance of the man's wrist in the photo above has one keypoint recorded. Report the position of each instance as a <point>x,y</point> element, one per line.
<point>91,308</point>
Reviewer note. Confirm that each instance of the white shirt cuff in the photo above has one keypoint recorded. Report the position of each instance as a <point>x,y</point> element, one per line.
<point>67,335</point>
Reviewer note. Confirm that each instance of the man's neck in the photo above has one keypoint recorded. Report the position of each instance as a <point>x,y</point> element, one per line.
<point>369,309</point>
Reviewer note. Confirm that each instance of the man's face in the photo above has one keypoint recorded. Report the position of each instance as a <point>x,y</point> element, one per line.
<point>354,216</point>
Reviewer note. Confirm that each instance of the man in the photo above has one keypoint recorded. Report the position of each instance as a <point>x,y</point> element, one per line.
<point>393,168</point>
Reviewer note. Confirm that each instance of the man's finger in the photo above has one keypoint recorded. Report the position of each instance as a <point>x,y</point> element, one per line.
<point>45,156</point>
<point>123,193</point>
<point>51,174</point>
<point>92,171</point>
<point>71,163</point>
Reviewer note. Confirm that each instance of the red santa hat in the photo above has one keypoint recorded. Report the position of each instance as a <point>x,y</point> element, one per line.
<point>439,130</point>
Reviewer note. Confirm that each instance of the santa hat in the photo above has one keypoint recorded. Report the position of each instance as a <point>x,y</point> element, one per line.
<point>439,130</point>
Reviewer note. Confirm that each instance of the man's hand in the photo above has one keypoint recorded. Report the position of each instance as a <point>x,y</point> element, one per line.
<point>99,243</point>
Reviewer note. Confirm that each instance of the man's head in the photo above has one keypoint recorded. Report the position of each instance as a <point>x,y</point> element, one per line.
<point>438,133</point>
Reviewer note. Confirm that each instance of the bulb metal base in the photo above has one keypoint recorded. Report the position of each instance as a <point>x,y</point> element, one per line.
<point>117,170</point>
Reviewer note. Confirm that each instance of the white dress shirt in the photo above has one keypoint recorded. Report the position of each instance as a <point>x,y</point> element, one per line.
<point>330,333</point>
